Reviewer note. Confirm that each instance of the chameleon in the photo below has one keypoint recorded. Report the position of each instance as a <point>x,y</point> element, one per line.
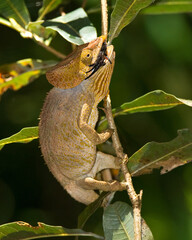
<point>68,138</point>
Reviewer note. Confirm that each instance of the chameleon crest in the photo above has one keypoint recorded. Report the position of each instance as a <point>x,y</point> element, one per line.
<point>76,67</point>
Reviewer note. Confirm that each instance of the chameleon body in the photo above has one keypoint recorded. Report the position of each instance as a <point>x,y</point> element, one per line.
<point>68,118</point>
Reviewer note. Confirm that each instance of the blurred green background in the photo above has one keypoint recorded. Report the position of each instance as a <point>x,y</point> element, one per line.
<point>153,52</point>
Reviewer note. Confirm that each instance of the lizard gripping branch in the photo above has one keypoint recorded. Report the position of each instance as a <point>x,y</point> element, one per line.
<point>67,127</point>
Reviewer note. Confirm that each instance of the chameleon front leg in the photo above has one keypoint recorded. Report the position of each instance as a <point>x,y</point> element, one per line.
<point>90,133</point>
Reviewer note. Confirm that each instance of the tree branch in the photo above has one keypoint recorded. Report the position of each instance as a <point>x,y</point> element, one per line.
<point>134,197</point>
<point>104,17</point>
<point>106,173</point>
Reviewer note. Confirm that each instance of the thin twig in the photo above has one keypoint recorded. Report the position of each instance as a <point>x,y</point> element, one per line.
<point>84,3</point>
<point>106,174</point>
<point>104,17</point>
<point>52,50</point>
<point>134,197</point>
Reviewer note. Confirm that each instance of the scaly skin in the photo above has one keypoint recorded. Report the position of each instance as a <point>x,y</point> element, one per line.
<point>68,118</point>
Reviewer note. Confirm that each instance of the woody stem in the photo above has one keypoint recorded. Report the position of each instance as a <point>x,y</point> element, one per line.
<point>104,17</point>
<point>133,196</point>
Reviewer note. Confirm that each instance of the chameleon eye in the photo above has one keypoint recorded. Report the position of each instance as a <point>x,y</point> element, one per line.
<point>86,57</point>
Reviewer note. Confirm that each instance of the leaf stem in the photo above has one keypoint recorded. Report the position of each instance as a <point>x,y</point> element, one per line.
<point>134,197</point>
<point>50,49</point>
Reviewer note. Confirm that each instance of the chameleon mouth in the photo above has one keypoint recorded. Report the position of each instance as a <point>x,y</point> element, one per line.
<point>104,55</point>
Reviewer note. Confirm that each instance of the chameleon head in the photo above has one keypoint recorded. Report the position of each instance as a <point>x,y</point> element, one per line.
<point>76,67</point>
<point>90,53</point>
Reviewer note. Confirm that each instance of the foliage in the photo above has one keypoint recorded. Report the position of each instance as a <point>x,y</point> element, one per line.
<point>124,12</point>
<point>16,75</point>
<point>166,156</point>
<point>22,230</point>
<point>118,223</point>
<point>76,28</point>
<point>24,136</point>
<point>169,6</point>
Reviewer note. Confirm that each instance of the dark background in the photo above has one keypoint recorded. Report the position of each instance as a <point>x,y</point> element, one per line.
<point>153,52</point>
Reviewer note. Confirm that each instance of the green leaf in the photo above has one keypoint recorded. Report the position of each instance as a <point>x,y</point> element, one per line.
<point>118,223</point>
<point>15,9</point>
<point>153,101</point>
<point>169,7</point>
<point>44,35</point>
<point>91,209</point>
<point>19,74</point>
<point>124,12</point>
<point>75,27</point>
<point>166,156</point>
<point>19,81</point>
<point>48,6</point>
<point>22,231</point>
<point>24,136</point>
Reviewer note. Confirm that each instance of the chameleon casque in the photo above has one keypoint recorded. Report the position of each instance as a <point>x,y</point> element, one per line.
<point>67,136</point>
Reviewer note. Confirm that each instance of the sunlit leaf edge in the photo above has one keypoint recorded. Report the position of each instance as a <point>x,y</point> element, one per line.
<point>25,135</point>
<point>133,106</point>
<point>24,231</point>
<point>168,7</point>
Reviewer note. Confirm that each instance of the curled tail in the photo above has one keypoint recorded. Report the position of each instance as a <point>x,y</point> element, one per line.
<point>80,194</point>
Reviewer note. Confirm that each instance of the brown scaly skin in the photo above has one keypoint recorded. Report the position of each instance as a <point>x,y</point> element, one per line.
<point>67,123</point>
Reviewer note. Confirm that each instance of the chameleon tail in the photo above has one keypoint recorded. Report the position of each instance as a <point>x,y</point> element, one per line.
<point>80,194</point>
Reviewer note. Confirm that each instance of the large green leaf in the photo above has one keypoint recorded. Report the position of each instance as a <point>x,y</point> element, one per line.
<point>152,101</point>
<point>75,27</point>
<point>15,9</point>
<point>19,74</point>
<point>48,6</point>
<point>118,223</point>
<point>166,156</point>
<point>22,231</point>
<point>169,7</point>
<point>24,136</point>
<point>124,12</point>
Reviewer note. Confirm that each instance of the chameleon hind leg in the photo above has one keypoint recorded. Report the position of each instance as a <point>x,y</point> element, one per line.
<point>93,184</point>
<point>103,161</point>
<point>90,133</point>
